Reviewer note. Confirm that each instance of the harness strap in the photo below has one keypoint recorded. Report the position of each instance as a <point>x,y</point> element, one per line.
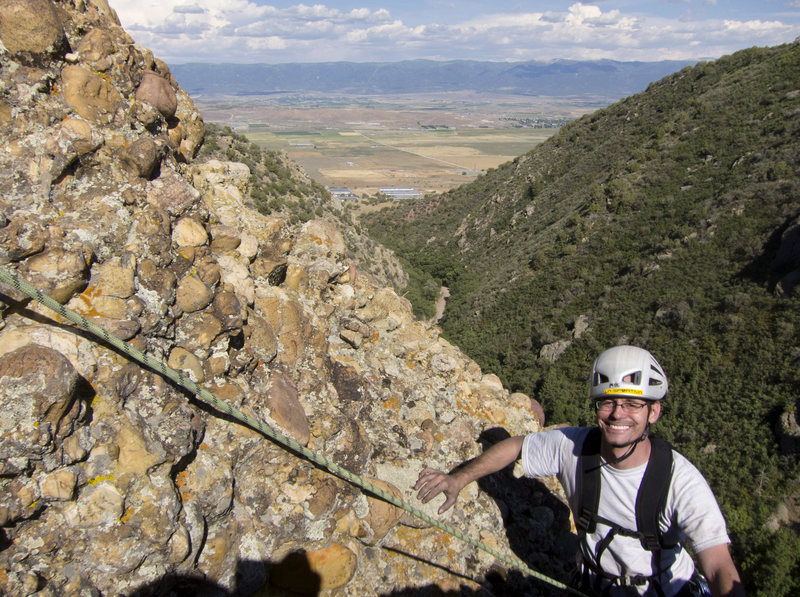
<point>650,503</point>
<point>652,496</point>
<point>589,479</point>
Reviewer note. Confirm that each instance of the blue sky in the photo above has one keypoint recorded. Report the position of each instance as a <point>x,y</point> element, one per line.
<point>271,31</point>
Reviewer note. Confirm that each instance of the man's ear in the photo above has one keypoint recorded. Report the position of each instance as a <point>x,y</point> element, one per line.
<point>655,412</point>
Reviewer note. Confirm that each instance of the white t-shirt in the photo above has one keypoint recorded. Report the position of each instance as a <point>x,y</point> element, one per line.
<point>690,504</point>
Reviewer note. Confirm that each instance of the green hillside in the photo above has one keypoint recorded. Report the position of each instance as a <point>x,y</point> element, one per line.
<point>666,221</point>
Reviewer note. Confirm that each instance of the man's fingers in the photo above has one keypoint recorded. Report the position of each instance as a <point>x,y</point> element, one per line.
<point>430,490</point>
<point>423,476</point>
<point>427,477</point>
<point>451,499</point>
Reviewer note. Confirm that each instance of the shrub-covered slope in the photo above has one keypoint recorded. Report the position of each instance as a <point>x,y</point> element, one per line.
<point>668,220</point>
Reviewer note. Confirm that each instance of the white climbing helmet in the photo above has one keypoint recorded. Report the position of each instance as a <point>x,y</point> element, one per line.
<point>647,378</point>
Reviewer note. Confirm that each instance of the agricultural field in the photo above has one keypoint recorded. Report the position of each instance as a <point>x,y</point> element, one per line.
<point>430,143</point>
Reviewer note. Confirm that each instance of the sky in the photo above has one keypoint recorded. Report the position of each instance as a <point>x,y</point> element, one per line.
<point>273,31</point>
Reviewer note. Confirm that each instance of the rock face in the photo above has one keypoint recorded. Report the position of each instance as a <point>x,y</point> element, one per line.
<point>112,480</point>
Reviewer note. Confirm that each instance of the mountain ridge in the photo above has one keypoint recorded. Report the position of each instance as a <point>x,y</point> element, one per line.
<point>607,78</point>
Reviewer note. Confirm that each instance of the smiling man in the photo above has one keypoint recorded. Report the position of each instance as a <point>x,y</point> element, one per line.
<point>638,505</point>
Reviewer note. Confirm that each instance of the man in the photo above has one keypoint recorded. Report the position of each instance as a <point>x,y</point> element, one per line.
<point>626,388</point>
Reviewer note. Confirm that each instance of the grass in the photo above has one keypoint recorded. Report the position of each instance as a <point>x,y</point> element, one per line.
<point>430,160</point>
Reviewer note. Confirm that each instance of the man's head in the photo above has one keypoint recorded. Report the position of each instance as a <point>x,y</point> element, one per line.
<point>626,388</point>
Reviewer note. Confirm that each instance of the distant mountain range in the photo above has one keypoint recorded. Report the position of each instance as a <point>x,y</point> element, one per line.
<point>607,78</point>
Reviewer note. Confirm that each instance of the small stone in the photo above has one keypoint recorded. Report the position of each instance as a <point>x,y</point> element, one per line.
<point>228,310</point>
<point>382,515</point>
<point>224,238</point>
<point>286,409</point>
<point>262,340</point>
<point>37,387</point>
<point>354,339</point>
<point>188,232</point>
<point>198,330</point>
<point>140,157</point>
<point>21,239</point>
<point>182,360</point>
<point>95,45</point>
<point>59,486</point>
<point>113,279</point>
<point>171,193</point>
<point>30,26</point>
<point>57,273</point>
<point>193,295</point>
<point>89,94</point>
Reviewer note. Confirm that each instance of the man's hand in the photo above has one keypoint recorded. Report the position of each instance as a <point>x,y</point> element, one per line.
<point>432,482</point>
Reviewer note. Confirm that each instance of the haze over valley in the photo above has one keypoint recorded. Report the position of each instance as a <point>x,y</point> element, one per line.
<point>421,124</point>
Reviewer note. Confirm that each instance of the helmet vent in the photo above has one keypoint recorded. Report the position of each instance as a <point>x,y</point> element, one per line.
<point>600,378</point>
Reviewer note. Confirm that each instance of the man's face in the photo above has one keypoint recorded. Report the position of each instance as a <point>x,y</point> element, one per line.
<point>624,420</point>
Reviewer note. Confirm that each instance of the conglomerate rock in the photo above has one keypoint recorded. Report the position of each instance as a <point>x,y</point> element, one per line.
<point>113,480</point>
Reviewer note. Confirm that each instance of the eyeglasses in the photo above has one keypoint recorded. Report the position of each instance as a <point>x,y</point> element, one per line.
<point>628,406</point>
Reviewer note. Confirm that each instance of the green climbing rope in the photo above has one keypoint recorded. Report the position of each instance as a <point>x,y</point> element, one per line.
<point>285,441</point>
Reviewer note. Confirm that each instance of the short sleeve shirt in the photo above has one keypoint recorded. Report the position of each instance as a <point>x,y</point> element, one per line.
<point>691,507</point>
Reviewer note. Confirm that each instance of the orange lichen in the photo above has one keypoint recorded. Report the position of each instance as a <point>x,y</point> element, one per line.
<point>392,402</point>
<point>86,298</point>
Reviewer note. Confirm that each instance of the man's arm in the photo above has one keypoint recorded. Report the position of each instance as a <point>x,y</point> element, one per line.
<point>432,482</point>
<point>718,567</point>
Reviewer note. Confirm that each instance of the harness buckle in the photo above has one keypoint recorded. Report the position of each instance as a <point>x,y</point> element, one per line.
<point>584,521</point>
<point>650,542</point>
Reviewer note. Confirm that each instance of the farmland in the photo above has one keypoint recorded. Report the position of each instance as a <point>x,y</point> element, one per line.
<point>429,142</point>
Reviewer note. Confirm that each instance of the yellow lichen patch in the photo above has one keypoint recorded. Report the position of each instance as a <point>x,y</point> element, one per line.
<point>126,517</point>
<point>392,402</point>
<point>109,477</point>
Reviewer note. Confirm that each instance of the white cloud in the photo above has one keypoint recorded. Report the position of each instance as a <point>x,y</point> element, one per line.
<point>246,31</point>
<point>189,9</point>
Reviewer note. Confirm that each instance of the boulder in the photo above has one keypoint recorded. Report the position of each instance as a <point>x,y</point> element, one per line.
<point>31,28</point>
<point>156,90</point>
<point>89,94</point>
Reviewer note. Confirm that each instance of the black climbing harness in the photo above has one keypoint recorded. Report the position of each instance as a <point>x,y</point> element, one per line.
<point>651,500</point>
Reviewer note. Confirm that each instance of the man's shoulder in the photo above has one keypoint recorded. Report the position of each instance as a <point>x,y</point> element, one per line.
<point>560,438</point>
<point>563,433</point>
<point>683,468</point>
